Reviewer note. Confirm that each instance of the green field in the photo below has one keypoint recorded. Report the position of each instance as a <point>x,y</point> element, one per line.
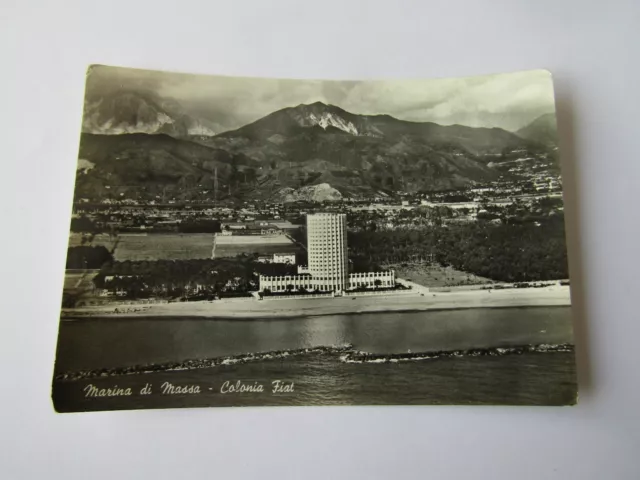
<point>163,246</point>
<point>186,246</point>
<point>435,275</point>
<point>264,245</point>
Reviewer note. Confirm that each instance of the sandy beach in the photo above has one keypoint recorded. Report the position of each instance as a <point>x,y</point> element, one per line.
<point>555,295</point>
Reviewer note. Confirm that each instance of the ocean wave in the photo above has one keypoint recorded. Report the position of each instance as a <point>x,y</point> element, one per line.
<point>346,354</point>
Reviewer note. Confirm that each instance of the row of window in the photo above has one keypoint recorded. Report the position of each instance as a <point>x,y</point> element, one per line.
<point>371,274</point>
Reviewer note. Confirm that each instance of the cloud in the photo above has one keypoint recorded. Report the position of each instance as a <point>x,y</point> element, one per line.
<point>508,101</point>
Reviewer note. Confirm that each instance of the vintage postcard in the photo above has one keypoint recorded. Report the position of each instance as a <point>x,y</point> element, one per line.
<point>256,241</point>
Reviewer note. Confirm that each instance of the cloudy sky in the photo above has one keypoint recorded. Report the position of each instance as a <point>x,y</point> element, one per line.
<point>508,101</point>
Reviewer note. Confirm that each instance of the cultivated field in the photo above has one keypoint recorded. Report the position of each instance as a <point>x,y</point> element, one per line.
<point>164,246</point>
<point>185,246</point>
<point>436,275</point>
<point>264,245</point>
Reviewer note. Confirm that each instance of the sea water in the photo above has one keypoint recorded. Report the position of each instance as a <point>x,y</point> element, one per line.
<point>323,379</point>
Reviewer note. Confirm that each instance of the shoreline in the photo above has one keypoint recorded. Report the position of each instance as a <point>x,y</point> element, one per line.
<point>554,295</point>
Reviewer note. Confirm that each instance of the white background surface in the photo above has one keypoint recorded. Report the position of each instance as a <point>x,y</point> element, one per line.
<point>592,49</point>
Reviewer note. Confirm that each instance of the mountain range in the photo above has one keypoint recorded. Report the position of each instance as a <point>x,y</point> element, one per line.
<point>140,145</point>
<point>122,111</point>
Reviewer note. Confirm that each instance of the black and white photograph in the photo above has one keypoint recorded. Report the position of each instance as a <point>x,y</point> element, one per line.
<point>240,241</point>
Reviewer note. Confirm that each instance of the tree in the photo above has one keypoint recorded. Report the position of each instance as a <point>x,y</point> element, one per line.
<point>84,257</point>
<point>69,300</point>
<point>83,224</point>
<point>377,282</point>
<point>199,226</point>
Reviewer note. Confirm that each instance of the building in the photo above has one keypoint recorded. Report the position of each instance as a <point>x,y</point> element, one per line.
<point>328,269</point>
<point>270,230</point>
<point>234,226</point>
<point>327,251</point>
<point>286,258</point>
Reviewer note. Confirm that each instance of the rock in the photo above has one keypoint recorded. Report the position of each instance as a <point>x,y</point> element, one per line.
<point>311,193</point>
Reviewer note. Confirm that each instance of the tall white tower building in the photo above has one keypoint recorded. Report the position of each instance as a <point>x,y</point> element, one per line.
<point>328,269</point>
<point>327,251</point>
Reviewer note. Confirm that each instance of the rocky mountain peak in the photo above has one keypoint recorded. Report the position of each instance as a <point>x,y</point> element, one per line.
<point>324,116</point>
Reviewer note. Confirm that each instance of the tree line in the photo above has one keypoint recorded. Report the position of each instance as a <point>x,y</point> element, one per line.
<point>188,279</point>
<point>513,252</point>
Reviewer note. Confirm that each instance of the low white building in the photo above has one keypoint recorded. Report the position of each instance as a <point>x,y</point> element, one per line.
<point>287,258</point>
<point>372,279</point>
<point>286,283</point>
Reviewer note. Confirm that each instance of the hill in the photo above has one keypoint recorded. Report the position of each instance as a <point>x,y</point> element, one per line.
<point>542,130</point>
<point>143,166</point>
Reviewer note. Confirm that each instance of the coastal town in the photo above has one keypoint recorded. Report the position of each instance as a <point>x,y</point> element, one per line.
<point>123,252</point>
